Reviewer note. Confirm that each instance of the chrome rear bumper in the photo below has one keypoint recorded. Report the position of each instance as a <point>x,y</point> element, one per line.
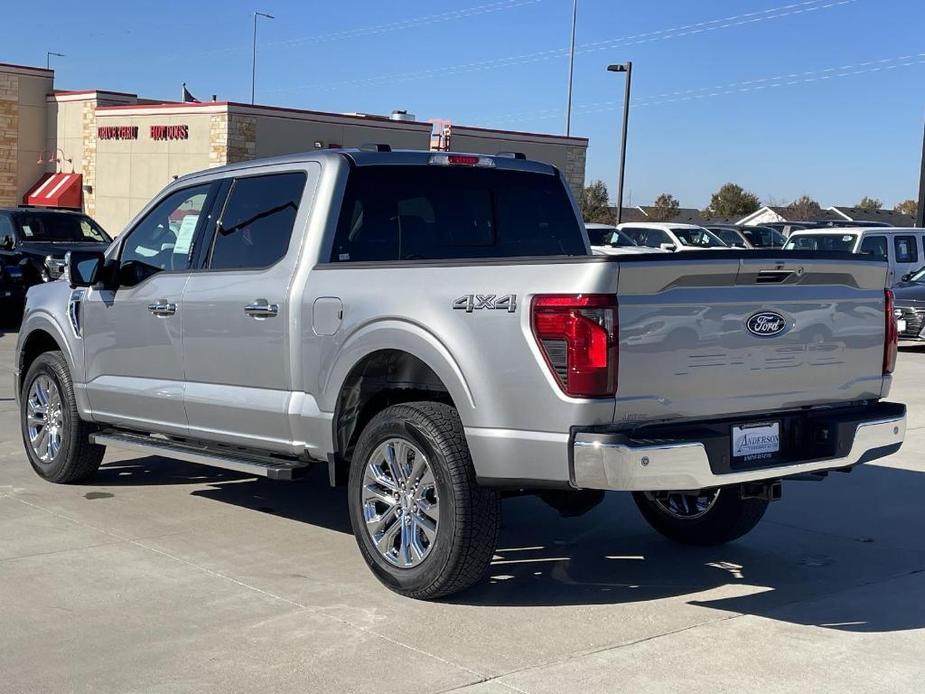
<point>597,463</point>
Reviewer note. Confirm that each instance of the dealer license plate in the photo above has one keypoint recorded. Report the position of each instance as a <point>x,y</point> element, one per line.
<point>756,441</point>
<point>901,325</point>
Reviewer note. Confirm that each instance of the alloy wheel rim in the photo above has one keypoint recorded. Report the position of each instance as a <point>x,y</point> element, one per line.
<point>400,503</point>
<point>45,419</point>
<point>685,505</point>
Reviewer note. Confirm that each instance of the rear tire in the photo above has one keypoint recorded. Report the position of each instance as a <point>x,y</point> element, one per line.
<point>56,439</point>
<point>701,519</point>
<point>423,524</point>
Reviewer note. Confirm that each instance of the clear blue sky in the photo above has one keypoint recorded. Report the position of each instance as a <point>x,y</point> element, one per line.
<point>723,90</point>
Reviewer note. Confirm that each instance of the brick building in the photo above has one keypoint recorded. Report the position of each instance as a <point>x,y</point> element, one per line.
<point>110,152</point>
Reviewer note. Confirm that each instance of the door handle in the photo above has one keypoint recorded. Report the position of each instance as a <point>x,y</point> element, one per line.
<point>261,308</point>
<point>162,308</point>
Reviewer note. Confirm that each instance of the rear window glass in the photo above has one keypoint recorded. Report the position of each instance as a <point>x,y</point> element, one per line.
<point>822,242</point>
<point>906,249</point>
<point>436,212</point>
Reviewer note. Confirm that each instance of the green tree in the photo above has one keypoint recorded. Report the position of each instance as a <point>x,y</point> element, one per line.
<point>595,205</point>
<point>665,208</point>
<point>909,207</point>
<point>731,200</point>
<point>804,208</point>
<point>870,204</point>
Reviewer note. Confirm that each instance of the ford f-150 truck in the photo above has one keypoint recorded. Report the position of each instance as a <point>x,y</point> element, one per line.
<point>434,328</point>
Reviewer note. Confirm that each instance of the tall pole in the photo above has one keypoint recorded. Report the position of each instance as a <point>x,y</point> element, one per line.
<point>571,71</point>
<point>920,213</point>
<point>628,69</point>
<point>254,53</point>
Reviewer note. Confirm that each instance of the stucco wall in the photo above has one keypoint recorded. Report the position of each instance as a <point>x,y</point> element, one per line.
<point>131,172</point>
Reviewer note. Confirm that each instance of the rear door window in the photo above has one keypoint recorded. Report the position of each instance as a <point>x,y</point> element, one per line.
<point>437,212</point>
<point>875,246</point>
<point>257,222</point>
<point>906,249</point>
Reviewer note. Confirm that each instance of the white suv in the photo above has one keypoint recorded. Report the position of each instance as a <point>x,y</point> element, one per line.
<point>672,237</point>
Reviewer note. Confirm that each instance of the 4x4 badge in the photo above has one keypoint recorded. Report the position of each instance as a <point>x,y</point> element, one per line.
<point>492,302</point>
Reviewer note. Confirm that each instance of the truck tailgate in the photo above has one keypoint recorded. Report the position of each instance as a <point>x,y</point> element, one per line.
<point>704,336</point>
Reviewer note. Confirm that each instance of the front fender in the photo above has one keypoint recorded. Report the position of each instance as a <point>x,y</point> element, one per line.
<point>406,336</point>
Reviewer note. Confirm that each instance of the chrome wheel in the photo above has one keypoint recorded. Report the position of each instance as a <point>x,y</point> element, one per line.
<point>400,504</point>
<point>685,506</point>
<point>45,419</point>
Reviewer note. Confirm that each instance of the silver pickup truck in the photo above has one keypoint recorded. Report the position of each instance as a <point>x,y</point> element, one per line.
<point>434,328</point>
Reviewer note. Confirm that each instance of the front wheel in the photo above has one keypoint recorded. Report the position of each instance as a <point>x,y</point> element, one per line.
<point>707,517</point>
<point>423,524</point>
<point>57,441</point>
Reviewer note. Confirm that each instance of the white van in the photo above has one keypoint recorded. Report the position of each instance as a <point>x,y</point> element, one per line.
<point>902,247</point>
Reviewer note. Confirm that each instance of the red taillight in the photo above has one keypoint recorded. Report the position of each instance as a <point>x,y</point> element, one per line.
<point>577,334</point>
<point>890,335</point>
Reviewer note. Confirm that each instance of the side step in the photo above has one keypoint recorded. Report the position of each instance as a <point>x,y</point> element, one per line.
<point>225,457</point>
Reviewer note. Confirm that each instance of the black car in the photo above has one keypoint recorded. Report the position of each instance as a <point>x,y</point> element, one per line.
<point>33,242</point>
<point>845,223</point>
<point>909,305</point>
<point>742,236</point>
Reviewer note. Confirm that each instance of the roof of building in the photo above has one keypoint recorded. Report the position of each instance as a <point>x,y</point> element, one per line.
<point>858,214</point>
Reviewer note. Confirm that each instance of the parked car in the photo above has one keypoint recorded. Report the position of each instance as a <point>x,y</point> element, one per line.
<point>37,239</point>
<point>669,236</point>
<point>910,306</point>
<point>433,328</point>
<point>903,248</point>
<point>742,236</point>
<point>12,293</point>
<point>606,239</point>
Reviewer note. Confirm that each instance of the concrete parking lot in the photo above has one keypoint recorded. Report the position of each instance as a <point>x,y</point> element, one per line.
<point>165,576</point>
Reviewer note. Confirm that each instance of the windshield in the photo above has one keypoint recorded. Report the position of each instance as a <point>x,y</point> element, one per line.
<point>730,237</point>
<point>765,237</point>
<point>821,242</point>
<point>618,239</point>
<point>51,227</point>
<point>697,238</point>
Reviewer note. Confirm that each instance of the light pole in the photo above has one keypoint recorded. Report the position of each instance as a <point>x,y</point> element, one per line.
<point>920,213</point>
<point>48,55</point>
<point>571,71</point>
<point>626,67</point>
<point>254,53</point>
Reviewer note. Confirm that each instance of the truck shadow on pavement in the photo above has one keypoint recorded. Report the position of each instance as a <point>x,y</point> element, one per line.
<point>845,554</point>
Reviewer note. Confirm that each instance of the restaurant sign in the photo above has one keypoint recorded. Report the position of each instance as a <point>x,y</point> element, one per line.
<point>130,132</point>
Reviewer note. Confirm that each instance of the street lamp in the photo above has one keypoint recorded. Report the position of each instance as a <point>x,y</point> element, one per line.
<point>626,67</point>
<point>254,53</point>
<point>48,55</point>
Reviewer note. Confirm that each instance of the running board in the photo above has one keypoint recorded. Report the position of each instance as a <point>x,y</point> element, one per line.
<point>225,457</point>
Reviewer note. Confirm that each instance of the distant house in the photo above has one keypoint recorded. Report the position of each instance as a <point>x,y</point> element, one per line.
<point>837,213</point>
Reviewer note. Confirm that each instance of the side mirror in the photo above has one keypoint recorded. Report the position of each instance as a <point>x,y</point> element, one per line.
<point>7,242</point>
<point>83,267</point>
<point>667,246</point>
<point>907,277</point>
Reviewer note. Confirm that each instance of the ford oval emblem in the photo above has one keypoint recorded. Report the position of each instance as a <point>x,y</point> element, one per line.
<point>766,324</point>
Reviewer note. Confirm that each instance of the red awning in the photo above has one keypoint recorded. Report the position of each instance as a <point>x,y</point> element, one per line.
<point>57,190</point>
